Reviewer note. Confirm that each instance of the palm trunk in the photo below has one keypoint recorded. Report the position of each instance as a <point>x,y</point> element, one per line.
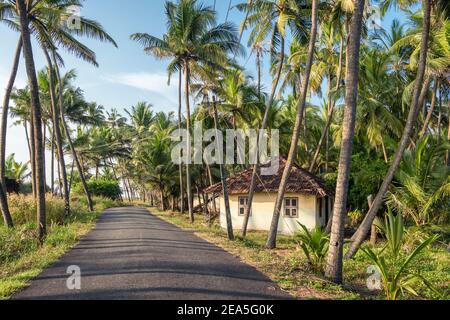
<point>263,127</point>
<point>163,205</point>
<point>52,164</point>
<point>44,140</point>
<point>69,138</point>
<point>424,130</point>
<point>373,231</point>
<point>36,111</point>
<point>189,153</point>
<point>272,238</point>
<point>208,167</point>
<point>57,135</point>
<point>332,105</point>
<point>223,176</point>
<point>4,126</point>
<point>258,66</point>
<point>334,260</point>
<point>440,116</point>
<point>33,157</point>
<point>365,226</point>
<point>180,167</point>
<point>72,167</point>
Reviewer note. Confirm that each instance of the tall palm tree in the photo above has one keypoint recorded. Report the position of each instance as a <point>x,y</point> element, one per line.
<point>197,39</point>
<point>36,112</point>
<point>335,252</point>
<point>166,48</point>
<point>271,240</point>
<point>365,226</point>
<point>270,18</point>
<point>214,84</point>
<point>48,26</point>
<point>334,72</point>
<point>6,15</point>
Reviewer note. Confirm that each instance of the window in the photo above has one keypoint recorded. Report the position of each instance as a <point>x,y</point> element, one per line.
<point>243,204</point>
<point>291,207</point>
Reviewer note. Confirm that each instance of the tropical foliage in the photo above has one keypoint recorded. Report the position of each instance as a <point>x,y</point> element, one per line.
<point>364,107</point>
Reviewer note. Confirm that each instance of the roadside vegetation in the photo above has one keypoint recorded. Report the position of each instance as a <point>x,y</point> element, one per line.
<point>289,266</point>
<point>362,106</point>
<point>22,257</point>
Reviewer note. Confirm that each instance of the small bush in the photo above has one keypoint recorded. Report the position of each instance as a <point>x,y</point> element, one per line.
<point>23,209</point>
<point>314,244</point>
<point>15,242</point>
<point>101,188</point>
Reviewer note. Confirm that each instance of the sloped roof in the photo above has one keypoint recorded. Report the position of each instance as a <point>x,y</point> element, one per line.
<point>300,181</point>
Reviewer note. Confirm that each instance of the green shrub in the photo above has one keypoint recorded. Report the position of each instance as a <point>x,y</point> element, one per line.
<point>101,188</point>
<point>397,276</point>
<point>394,231</point>
<point>16,242</point>
<point>314,244</point>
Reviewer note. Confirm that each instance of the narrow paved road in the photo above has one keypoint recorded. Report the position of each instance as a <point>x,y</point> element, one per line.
<point>132,254</point>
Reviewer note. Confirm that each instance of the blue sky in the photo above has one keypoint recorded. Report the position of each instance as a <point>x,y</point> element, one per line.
<point>126,75</point>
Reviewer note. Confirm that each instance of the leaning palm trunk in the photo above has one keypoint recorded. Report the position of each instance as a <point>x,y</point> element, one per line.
<point>4,126</point>
<point>271,241</point>
<point>223,176</point>
<point>334,267</point>
<point>251,192</point>
<point>326,130</point>
<point>69,139</point>
<point>365,226</point>
<point>57,136</point>
<point>37,119</point>
<point>188,129</point>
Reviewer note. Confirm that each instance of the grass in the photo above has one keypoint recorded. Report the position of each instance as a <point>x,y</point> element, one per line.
<point>288,266</point>
<point>22,258</point>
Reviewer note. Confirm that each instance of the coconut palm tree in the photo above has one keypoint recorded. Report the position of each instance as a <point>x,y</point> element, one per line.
<point>365,226</point>
<point>271,240</point>
<point>166,48</point>
<point>197,39</point>
<point>334,259</point>
<point>271,18</point>
<point>48,20</point>
<point>36,116</point>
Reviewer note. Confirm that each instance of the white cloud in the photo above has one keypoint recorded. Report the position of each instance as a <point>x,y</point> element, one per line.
<point>152,82</point>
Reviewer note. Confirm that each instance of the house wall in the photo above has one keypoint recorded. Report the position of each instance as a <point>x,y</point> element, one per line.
<point>262,210</point>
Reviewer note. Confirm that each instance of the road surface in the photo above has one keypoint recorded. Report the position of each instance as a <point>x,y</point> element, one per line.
<point>132,254</point>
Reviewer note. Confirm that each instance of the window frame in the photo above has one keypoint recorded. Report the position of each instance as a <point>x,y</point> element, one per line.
<point>244,206</point>
<point>291,207</point>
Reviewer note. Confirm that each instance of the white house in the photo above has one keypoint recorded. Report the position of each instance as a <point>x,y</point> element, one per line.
<point>307,200</point>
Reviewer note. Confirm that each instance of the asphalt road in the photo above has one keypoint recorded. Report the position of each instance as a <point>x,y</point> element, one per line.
<point>132,254</point>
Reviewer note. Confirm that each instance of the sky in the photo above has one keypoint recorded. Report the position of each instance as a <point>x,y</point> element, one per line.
<point>126,74</point>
